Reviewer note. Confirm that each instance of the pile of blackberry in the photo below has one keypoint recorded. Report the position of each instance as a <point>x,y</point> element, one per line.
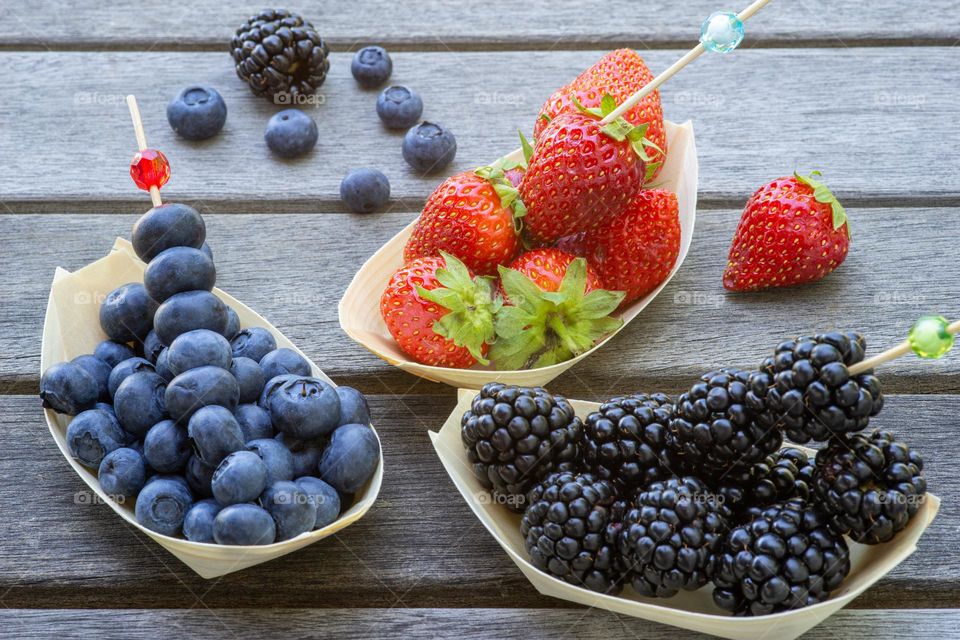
<point>666,495</point>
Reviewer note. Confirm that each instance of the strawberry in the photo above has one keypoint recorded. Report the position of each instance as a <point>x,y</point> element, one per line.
<point>439,313</point>
<point>635,251</point>
<point>471,216</point>
<point>546,268</point>
<point>792,231</point>
<point>553,315</point>
<point>580,173</point>
<point>620,74</point>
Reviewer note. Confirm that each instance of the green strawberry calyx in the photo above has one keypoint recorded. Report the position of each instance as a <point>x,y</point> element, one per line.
<point>537,328</point>
<point>823,194</point>
<point>509,195</point>
<point>470,303</point>
<point>621,129</point>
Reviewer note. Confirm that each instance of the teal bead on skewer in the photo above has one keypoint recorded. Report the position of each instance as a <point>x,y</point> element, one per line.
<point>722,32</point>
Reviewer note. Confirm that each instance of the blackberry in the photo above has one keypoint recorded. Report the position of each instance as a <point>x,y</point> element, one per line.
<point>669,537</point>
<point>870,485</point>
<point>719,425</point>
<point>781,476</point>
<point>625,440</point>
<point>515,436</point>
<point>570,530</point>
<point>280,56</point>
<point>809,391</point>
<point>786,558</point>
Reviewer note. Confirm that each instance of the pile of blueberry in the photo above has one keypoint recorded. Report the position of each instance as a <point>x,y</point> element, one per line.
<point>215,432</point>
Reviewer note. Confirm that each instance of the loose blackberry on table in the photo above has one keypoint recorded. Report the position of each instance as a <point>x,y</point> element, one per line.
<point>624,441</point>
<point>786,558</point>
<point>809,391</point>
<point>515,436</point>
<point>869,485</point>
<point>570,530</point>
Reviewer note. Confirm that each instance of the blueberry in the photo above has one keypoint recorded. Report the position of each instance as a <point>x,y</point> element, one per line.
<point>249,377</point>
<point>179,269</point>
<point>92,434</point>
<point>197,113</point>
<point>371,67</point>
<point>198,476</point>
<point>98,370</point>
<point>253,343</point>
<point>271,387</point>
<point>127,313</point>
<point>198,348</point>
<point>324,497</point>
<point>188,311</point>
<point>244,524</point>
<point>364,190</point>
<point>399,107</point>
<point>351,458</point>
<point>68,388</point>
<point>126,368</point>
<point>293,512</point>
<point>201,387</point>
<point>283,361</point>
<point>353,406</point>
<point>304,407</point>
<point>277,457</point>
<point>198,523</point>
<point>205,247</point>
<point>428,147</point>
<point>163,365</point>
<point>122,473</point>
<point>162,505</point>
<point>291,133</point>
<point>107,408</point>
<point>241,477</point>
<point>306,454</point>
<point>113,353</point>
<point>254,422</point>
<point>139,402</point>
<point>215,434</point>
<point>166,447</point>
<point>152,346</point>
<point>233,324</point>
<point>169,225</point>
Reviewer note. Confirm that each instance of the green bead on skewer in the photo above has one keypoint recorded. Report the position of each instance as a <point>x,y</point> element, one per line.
<point>930,337</point>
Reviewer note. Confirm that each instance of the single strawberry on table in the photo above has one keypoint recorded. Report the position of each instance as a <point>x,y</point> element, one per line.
<point>439,313</point>
<point>471,216</point>
<point>551,315</point>
<point>620,74</point>
<point>581,173</point>
<point>792,231</point>
<point>635,251</point>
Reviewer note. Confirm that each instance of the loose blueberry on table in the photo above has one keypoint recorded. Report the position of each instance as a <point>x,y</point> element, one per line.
<point>291,133</point>
<point>364,190</point>
<point>371,66</point>
<point>197,113</point>
<point>208,430</point>
<point>399,107</point>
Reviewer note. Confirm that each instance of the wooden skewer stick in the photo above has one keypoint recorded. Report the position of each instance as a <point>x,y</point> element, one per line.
<point>893,353</point>
<point>672,70</point>
<point>141,141</point>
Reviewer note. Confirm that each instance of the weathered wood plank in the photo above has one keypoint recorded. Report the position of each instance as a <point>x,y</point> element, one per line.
<point>553,24</point>
<point>508,624</point>
<point>419,546</point>
<point>881,136</point>
<point>896,271</point>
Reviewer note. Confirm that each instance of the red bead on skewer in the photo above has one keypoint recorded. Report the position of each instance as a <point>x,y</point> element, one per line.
<point>150,168</point>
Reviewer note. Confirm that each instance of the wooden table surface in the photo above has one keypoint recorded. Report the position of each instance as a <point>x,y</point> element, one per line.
<point>866,92</point>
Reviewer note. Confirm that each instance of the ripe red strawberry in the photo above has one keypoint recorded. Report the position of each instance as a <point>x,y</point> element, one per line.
<point>792,231</point>
<point>635,251</point>
<point>620,74</point>
<point>547,267</point>
<point>439,313</point>
<point>580,175</point>
<point>553,310</point>
<point>470,216</point>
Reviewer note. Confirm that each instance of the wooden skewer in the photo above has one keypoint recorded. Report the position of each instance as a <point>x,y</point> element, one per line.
<point>672,70</point>
<point>141,141</point>
<point>893,353</point>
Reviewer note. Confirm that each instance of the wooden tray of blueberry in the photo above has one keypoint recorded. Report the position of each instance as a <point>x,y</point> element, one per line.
<point>271,477</point>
